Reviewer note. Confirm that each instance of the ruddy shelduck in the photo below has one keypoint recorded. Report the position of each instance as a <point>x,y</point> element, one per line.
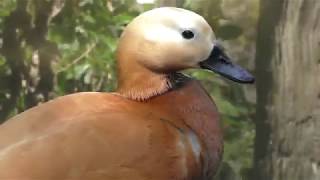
<point>158,125</point>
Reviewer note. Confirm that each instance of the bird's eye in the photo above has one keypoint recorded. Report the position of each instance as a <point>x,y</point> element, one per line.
<point>187,34</point>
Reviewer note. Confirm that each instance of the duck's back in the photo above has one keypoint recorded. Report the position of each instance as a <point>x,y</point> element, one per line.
<point>100,136</point>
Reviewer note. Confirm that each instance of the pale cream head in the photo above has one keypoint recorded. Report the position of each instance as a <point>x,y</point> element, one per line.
<point>154,39</point>
<point>162,41</point>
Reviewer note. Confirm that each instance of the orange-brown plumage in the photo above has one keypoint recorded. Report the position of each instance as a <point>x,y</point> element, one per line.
<point>158,125</point>
<point>103,135</point>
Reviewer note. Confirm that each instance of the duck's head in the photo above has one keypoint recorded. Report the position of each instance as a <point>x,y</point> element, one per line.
<point>166,40</point>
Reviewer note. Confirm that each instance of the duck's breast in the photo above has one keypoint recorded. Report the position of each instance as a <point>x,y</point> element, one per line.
<point>193,109</point>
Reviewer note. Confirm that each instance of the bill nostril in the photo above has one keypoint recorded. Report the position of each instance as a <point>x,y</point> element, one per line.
<point>224,60</point>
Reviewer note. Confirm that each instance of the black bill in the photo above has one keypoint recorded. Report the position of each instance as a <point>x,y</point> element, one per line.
<point>220,63</point>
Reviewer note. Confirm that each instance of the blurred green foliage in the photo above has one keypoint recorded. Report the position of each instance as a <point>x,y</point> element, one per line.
<point>91,29</point>
<point>85,33</point>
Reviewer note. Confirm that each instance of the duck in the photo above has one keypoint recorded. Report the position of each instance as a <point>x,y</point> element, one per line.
<point>159,124</point>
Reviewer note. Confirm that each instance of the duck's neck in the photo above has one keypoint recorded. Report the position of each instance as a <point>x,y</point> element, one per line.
<point>139,83</point>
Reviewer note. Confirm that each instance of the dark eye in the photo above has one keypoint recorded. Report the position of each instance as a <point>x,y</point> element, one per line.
<point>187,34</point>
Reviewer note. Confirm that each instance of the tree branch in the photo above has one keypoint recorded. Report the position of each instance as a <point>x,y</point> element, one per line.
<point>78,59</point>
